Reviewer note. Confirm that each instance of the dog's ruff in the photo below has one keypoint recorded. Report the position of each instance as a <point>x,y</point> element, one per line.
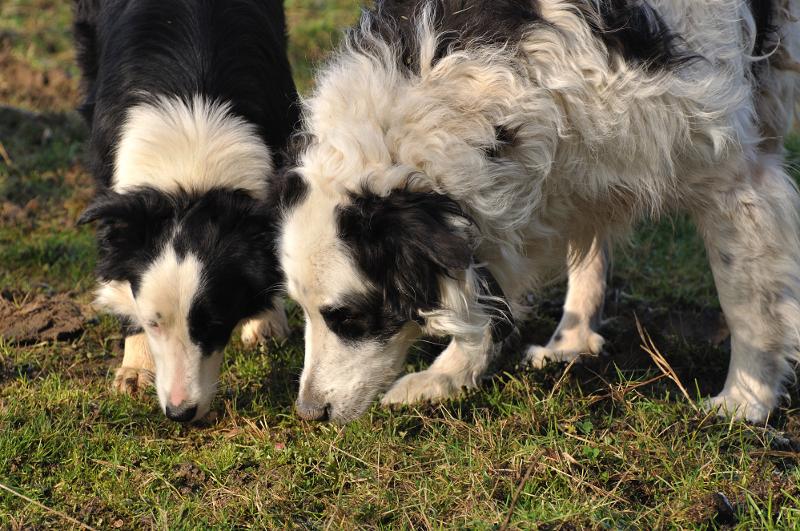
<point>190,104</point>
<point>447,139</point>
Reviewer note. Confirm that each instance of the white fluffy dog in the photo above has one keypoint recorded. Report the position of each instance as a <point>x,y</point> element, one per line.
<point>460,153</point>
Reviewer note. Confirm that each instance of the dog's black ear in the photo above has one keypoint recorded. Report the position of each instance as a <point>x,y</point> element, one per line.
<point>286,189</point>
<point>128,226</point>
<point>135,207</point>
<point>107,206</point>
<point>405,242</point>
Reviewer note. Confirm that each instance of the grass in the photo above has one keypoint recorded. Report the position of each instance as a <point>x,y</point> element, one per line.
<point>607,444</point>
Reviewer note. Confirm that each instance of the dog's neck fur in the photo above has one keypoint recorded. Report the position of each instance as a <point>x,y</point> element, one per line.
<point>191,146</point>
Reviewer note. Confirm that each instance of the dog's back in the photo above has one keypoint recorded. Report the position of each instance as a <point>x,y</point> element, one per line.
<point>226,50</point>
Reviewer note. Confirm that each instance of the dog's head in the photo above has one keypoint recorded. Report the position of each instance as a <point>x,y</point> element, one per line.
<point>186,269</point>
<point>368,271</point>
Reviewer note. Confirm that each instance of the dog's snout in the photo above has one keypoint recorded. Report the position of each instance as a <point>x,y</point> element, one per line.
<point>181,413</point>
<point>310,409</point>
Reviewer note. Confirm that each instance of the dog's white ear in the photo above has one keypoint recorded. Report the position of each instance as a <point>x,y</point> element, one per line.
<point>116,297</point>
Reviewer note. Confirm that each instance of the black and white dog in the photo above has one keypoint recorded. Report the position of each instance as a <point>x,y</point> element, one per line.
<point>189,103</point>
<point>462,152</point>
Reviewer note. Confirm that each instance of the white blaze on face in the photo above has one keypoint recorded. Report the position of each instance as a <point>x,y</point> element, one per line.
<point>184,376</point>
<point>164,300</point>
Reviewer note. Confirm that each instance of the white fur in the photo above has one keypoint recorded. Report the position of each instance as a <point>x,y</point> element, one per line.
<point>161,308</point>
<point>318,261</point>
<point>171,145</point>
<point>598,145</point>
<point>174,145</point>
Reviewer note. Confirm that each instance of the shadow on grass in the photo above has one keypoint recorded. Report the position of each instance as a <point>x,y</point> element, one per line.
<point>694,340</point>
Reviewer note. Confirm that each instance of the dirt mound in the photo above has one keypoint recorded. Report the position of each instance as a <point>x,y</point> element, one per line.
<point>40,319</point>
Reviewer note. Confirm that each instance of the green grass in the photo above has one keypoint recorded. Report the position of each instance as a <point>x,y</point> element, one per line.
<point>598,447</point>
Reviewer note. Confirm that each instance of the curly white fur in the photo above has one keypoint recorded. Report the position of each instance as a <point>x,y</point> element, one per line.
<point>598,144</point>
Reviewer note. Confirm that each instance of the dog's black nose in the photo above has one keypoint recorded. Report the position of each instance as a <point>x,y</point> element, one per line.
<point>307,411</point>
<point>181,413</point>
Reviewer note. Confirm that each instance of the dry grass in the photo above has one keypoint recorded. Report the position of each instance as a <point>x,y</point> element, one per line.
<point>609,443</point>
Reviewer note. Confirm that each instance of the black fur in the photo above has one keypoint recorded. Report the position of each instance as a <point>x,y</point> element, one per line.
<point>231,232</point>
<point>763,13</point>
<point>461,22</point>
<point>637,32</point>
<point>287,188</point>
<point>229,50</point>
<point>629,28</point>
<point>404,243</point>
<point>503,320</point>
<point>360,317</point>
<point>225,50</point>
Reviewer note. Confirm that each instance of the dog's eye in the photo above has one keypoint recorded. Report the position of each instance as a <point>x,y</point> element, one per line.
<point>153,325</point>
<point>345,322</point>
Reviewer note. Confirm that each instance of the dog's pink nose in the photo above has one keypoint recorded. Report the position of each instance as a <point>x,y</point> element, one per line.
<point>177,395</point>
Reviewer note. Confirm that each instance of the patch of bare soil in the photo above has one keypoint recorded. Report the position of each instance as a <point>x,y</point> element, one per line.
<point>189,478</point>
<point>50,89</point>
<point>43,318</point>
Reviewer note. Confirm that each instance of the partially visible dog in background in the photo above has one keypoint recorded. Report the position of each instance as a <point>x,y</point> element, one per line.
<point>461,153</point>
<point>189,104</point>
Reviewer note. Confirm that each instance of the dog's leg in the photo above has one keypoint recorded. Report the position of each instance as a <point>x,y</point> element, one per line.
<point>752,242</point>
<point>137,369</point>
<point>460,365</point>
<point>271,323</point>
<point>583,309</point>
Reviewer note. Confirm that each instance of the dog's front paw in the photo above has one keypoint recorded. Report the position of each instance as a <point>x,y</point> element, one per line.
<point>269,324</point>
<point>422,386</point>
<point>738,407</point>
<point>564,347</point>
<point>131,380</point>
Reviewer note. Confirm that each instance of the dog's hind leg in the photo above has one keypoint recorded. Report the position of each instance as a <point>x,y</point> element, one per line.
<point>271,323</point>
<point>752,241</point>
<point>583,308</point>
<point>137,369</point>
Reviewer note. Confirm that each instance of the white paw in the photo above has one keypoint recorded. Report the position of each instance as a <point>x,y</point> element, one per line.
<point>566,349</point>
<point>131,380</point>
<point>269,324</point>
<point>736,406</point>
<point>422,386</point>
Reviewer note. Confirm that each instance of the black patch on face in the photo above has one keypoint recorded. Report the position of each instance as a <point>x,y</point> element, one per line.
<point>634,30</point>
<point>404,243</point>
<point>231,234</point>
<point>361,317</point>
<point>132,229</point>
<point>461,23</point>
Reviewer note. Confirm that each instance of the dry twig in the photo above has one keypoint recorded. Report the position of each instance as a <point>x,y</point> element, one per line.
<point>663,365</point>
